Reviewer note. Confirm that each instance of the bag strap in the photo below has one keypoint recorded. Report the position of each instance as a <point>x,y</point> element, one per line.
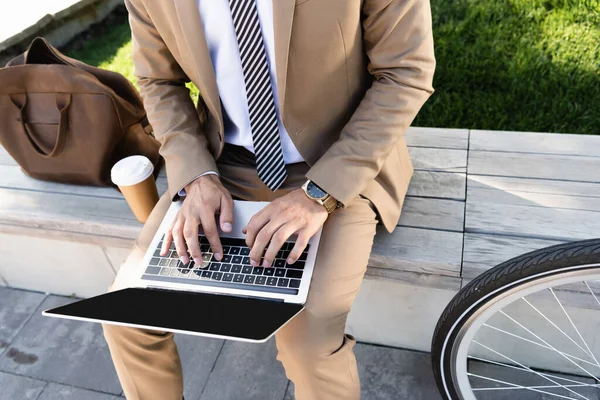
<point>63,102</point>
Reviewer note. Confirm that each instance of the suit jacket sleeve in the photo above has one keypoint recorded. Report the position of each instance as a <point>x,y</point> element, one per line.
<point>398,40</point>
<point>167,101</point>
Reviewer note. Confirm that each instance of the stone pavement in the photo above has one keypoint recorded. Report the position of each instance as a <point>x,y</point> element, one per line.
<point>45,358</point>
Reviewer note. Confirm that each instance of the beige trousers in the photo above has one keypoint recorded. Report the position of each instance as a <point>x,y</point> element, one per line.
<point>316,354</point>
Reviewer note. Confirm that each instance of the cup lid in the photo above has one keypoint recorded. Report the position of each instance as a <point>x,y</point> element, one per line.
<point>131,170</point>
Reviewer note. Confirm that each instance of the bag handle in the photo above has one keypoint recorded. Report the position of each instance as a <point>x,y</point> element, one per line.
<point>63,101</point>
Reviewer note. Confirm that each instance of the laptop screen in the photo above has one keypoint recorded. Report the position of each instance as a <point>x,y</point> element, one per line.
<point>195,313</point>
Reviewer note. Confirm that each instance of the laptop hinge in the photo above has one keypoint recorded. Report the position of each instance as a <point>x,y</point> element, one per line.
<point>217,293</point>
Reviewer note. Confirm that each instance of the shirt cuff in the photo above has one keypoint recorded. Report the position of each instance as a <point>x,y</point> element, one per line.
<point>182,192</point>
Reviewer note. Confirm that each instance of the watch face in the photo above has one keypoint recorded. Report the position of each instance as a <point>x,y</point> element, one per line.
<point>314,191</point>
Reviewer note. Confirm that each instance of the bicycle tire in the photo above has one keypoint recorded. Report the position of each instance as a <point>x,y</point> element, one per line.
<point>523,269</point>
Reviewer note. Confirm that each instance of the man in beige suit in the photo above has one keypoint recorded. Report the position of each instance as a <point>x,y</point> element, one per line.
<point>293,93</point>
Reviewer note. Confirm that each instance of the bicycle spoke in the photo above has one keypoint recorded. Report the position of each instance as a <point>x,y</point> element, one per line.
<point>548,344</point>
<point>539,344</point>
<point>526,367</point>
<point>592,293</point>
<point>524,387</point>
<point>560,330</point>
<point>523,369</point>
<point>574,327</point>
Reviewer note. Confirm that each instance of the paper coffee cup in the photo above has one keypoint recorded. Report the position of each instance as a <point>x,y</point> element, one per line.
<point>133,176</point>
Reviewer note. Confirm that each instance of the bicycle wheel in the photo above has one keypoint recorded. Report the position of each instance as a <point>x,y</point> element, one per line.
<point>528,328</point>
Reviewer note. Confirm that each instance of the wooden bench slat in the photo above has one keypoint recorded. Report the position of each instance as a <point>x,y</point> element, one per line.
<point>534,192</point>
<point>438,184</point>
<point>483,252</point>
<point>541,166</point>
<point>439,214</point>
<point>89,215</point>
<point>429,159</point>
<point>535,142</point>
<point>418,250</point>
<point>438,138</point>
<point>5,158</point>
<point>14,178</point>
<point>531,222</point>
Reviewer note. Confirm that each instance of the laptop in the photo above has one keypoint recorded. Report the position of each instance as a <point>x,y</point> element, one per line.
<point>227,299</point>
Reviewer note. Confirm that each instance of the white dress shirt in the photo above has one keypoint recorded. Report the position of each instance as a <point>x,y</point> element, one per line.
<point>225,57</point>
<point>227,64</point>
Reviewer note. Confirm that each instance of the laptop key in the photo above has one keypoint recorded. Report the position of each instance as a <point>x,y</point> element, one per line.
<point>217,276</point>
<point>154,261</point>
<point>269,271</point>
<point>165,271</point>
<point>238,278</point>
<point>174,263</point>
<point>280,272</point>
<point>226,258</point>
<point>205,248</point>
<point>225,267</point>
<point>257,270</point>
<point>303,256</point>
<point>296,265</point>
<point>283,282</point>
<point>272,281</point>
<point>206,274</point>
<point>225,249</point>
<point>246,260</point>
<point>249,279</point>
<point>234,250</point>
<point>260,280</point>
<point>234,242</point>
<point>153,270</point>
<point>215,266</point>
<point>295,283</point>
<point>294,273</point>
<point>163,262</point>
<point>236,268</point>
<point>174,272</point>
<point>227,277</point>
<point>244,251</point>
<point>237,259</point>
<point>279,263</point>
<point>157,252</point>
<point>246,269</point>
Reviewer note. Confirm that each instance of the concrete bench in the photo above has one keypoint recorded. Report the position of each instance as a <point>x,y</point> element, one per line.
<point>477,198</point>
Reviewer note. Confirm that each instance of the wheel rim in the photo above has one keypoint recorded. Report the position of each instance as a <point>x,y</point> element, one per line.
<point>470,324</point>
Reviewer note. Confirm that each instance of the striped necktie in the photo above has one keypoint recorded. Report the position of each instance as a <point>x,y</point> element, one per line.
<point>261,103</point>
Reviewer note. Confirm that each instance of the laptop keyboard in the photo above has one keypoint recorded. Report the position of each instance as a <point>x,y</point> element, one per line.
<point>233,271</point>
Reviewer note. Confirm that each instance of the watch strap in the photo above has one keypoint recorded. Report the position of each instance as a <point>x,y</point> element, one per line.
<point>330,203</point>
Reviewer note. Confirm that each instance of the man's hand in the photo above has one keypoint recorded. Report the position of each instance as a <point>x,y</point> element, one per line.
<point>291,214</point>
<point>205,197</point>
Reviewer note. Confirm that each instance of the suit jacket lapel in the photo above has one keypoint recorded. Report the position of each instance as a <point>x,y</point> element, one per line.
<point>283,15</point>
<point>197,48</point>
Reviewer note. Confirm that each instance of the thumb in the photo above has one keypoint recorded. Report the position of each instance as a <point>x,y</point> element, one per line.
<point>226,215</point>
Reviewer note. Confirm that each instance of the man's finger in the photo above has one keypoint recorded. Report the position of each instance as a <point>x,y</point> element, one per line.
<point>262,239</point>
<point>168,239</point>
<point>180,242</point>
<point>209,226</point>
<point>226,216</point>
<point>299,247</point>
<point>278,239</point>
<point>257,222</point>
<point>190,233</point>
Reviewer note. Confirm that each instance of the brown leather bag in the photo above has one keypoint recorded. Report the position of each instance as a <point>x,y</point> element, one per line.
<point>65,121</point>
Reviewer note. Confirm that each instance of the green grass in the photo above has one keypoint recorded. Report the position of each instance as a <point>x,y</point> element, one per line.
<point>530,65</point>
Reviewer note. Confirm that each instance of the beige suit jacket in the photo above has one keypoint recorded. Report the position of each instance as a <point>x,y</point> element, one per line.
<point>351,74</point>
